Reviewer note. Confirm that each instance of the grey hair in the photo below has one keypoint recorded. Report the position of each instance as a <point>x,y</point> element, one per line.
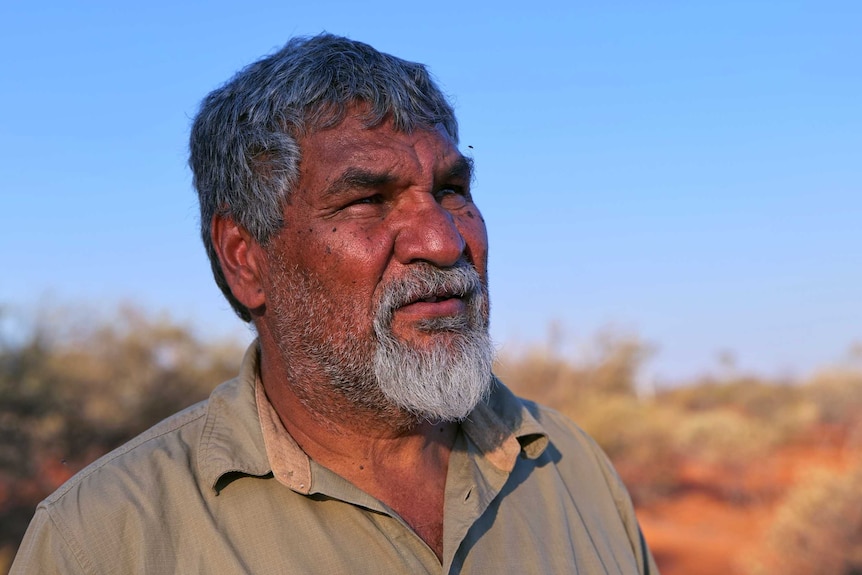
<point>244,151</point>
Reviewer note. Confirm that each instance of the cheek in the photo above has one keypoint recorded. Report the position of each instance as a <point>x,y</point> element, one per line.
<point>347,257</point>
<point>472,228</point>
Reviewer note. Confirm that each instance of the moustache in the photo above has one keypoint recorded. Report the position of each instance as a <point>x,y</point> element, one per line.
<point>426,282</point>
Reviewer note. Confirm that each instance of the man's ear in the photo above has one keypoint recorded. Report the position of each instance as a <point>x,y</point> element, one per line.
<point>242,261</point>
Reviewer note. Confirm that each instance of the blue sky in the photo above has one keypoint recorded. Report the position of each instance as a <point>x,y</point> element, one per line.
<point>687,172</point>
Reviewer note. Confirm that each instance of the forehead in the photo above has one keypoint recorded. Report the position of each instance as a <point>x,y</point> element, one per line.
<point>350,144</point>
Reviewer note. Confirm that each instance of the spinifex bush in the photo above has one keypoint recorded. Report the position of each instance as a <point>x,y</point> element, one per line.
<point>739,419</point>
<point>837,393</point>
<point>69,389</point>
<point>754,397</point>
<point>818,528</point>
<point>724,437</point>
<point>545,374</point>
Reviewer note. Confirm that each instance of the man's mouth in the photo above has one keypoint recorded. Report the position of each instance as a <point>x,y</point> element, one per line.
<point>427,293</point>
<point>437,298</point>
<point>439,305</point>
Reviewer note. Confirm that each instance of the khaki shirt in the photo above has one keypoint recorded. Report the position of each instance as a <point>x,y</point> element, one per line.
<point>222,488</point>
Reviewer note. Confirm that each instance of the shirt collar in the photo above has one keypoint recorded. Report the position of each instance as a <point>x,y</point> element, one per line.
<point>290,465</point>
<point>502,428</point>
<point>244,434</point>
<point>232,442</point>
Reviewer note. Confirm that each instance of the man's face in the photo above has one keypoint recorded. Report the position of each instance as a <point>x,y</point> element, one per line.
<point>378,277</point>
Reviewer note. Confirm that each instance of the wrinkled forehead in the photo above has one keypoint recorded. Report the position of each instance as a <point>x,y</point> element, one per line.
<point>356,145</point>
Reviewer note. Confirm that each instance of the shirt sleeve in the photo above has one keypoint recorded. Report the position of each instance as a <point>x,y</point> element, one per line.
<point>44,550</point>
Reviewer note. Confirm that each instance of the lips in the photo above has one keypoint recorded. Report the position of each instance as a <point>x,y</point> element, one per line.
<point>440,304</point>
<point>433,307</point>
<point>436,298</point>
<point>427,292</point>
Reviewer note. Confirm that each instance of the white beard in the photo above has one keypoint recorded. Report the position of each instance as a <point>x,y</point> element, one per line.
<point>445,382</point>
<point>378,373</point>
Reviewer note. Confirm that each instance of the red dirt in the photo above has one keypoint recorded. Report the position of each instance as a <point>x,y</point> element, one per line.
<point>720,517</point>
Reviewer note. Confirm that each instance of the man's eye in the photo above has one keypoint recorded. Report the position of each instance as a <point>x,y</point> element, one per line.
<point>373,199</point>
<point>453,197</point>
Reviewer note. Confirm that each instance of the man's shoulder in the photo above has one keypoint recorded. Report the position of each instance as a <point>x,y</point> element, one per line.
<point>162,458</point>
<point>148,489</point>
<point>162,443</point>
<point>572,467</point>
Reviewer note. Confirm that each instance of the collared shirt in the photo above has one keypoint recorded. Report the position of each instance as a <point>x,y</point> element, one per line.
<point>222,488</point>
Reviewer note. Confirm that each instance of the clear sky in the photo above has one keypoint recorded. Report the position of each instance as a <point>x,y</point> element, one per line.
<point>690,172</point>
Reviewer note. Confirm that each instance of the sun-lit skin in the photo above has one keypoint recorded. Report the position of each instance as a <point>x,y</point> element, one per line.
<point>369,203</point>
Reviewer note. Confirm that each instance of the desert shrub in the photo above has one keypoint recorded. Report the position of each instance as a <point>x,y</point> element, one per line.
<point>725,412</point>
<point>837,394</point>
<point>613,364</point>
<point>754,397</point>
<point>65,388</point>
<point>608,366</point>
<point>724,437</point>
<point>541,376</point>
<point>818,528</point>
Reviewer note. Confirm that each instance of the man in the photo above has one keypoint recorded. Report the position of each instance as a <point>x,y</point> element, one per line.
<point>365,432</point>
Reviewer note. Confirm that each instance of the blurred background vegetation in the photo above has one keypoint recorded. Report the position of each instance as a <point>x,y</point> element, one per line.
<point>75,384</point>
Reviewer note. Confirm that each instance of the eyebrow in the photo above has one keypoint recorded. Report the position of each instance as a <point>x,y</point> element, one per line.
<point>358,178</point>
<point>461,168</point>
<point>362,179</point>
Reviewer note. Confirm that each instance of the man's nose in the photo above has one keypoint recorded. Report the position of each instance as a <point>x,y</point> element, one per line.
<point>428,232</point>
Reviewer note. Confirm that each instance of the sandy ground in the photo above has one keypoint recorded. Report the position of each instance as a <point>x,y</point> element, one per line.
<point>718,522</point>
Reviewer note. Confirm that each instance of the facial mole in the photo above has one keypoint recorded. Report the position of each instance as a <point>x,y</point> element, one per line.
<point>334,229</point>
<point>469,214</point>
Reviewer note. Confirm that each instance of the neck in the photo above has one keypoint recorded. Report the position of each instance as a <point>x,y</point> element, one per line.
<point>391,456</point>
